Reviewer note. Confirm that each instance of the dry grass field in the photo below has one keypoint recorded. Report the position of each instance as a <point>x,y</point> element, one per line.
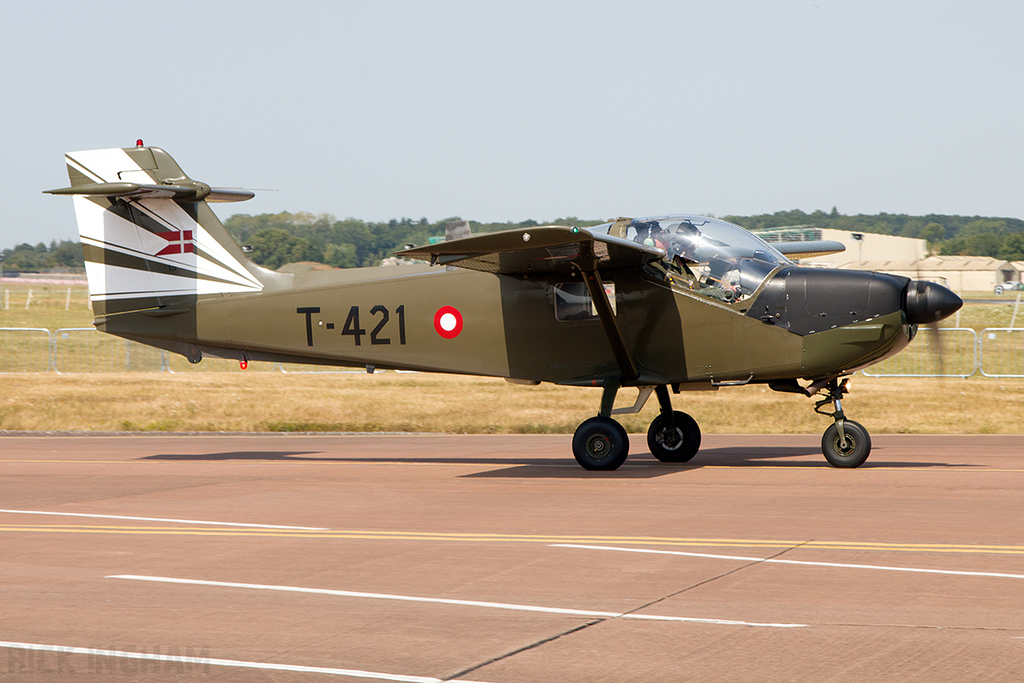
<point>273,401</point>
<point>394,402</point>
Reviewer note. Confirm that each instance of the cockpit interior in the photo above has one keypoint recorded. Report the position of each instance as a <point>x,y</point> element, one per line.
<point>712,257</point>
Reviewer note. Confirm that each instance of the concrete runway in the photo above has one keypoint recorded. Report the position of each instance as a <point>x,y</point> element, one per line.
<point>496,558</point>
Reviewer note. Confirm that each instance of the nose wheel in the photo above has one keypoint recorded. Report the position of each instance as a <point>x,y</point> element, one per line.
<point>845,443</point>
<point>850,449</point>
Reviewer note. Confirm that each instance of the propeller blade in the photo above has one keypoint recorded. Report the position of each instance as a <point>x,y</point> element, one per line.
<point>926,303</point>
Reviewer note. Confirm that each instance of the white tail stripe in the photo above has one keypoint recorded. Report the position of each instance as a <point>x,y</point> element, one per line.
<point>127,283</point>
<point>168,212</point>
<point>104,165</point>
<point>82,169</point>
<point>103,229</point>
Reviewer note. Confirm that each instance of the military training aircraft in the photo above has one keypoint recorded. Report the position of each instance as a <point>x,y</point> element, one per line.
<point>664,304</point>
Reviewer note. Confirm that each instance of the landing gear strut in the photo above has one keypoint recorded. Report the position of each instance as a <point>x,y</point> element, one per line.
<point>845,443</point>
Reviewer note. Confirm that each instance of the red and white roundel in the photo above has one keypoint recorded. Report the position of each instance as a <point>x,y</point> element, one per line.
<point>448,322</point>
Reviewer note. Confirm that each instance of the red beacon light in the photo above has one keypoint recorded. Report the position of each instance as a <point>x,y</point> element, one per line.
<point>138,143</point>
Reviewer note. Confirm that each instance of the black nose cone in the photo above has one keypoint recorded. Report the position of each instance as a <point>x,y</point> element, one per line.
<point>927,302</point>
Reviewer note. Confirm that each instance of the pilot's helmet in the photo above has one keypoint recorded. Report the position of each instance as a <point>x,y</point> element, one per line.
<point>686,228</point>
<point>642,229</point>
<point>686,239</point>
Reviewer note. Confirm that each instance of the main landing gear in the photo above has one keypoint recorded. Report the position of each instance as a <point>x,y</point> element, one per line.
<point>601,443</point>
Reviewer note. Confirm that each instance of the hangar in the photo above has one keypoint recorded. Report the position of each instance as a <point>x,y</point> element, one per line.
<point>903,256</point>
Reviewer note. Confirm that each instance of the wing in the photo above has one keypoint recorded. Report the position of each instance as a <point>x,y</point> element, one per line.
<point>544,249</point>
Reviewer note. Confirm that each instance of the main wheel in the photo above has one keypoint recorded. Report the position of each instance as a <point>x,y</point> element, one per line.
<point>674,445</point>
<point>851,454</point>
<point>600,443</point>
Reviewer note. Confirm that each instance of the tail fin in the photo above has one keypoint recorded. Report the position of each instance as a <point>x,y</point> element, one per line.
<point>456,230</point>
<point>149,238</point>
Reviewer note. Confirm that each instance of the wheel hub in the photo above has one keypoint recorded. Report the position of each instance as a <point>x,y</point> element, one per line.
<point>598,446</point>
<point>671,439</point>
<point>846,446</point>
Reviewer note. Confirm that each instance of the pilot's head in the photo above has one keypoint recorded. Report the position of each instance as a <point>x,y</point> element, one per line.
<point>642,229</point>
<point>686,240</point>
<point>686,228</point>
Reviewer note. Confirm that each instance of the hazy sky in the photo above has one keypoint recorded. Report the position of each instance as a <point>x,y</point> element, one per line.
<point>498,111</point>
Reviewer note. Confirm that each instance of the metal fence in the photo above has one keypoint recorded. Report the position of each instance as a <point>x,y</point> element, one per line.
<point>77,350</point>
<point>946,352</point>
<point>25,349</point>
<point>1000,352</point>
<point>942,352</point>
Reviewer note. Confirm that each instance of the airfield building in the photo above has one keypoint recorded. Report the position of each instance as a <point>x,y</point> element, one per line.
<point>904,256</point>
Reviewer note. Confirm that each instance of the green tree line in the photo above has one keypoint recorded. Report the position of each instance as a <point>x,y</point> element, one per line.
<point>1001,238</point>
<point>282,238</point>
<point>25,257</point>
<point>277,239</point>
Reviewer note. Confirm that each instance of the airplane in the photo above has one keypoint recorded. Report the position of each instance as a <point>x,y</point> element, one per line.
<point>663,304</point>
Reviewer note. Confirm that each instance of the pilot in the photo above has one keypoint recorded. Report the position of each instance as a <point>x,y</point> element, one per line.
<point>709,281</point>
<point>659,237</point>
<point>642,233</point>
<point>645,231</point>
<point>685,242</point>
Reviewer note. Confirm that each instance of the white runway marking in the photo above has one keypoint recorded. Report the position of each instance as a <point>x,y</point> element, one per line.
<point>799,562</point>
<point>450,601</point>
<point>163,519</point>
<point>211,661</point>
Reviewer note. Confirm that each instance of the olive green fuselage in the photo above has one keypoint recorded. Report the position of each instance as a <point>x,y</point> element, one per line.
<point>504,326</point>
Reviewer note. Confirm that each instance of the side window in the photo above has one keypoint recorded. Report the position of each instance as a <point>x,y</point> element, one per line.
<point>572,301</point>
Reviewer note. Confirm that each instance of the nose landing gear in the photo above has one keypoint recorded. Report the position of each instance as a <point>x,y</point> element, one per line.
<point>845,443</point>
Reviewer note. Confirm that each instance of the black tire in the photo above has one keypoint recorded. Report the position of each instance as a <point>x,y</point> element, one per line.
<point>679,446</point>
<point>600,443</point>
<point>856,451</point>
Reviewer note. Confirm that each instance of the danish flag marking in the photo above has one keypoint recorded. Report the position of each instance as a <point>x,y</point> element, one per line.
<point>180,242</point>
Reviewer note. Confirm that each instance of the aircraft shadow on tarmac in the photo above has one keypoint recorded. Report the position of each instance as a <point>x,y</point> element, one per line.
<point>644,466</point>
<point>314,456</point>
<point>639,466</point>
<point>236,455</point>
<point>755,456</point>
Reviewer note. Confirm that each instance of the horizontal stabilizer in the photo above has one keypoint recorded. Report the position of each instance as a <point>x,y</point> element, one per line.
<point>809,249</point>
<point>193,192</point>
<point>544,249</point>
<point>224,195</point>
